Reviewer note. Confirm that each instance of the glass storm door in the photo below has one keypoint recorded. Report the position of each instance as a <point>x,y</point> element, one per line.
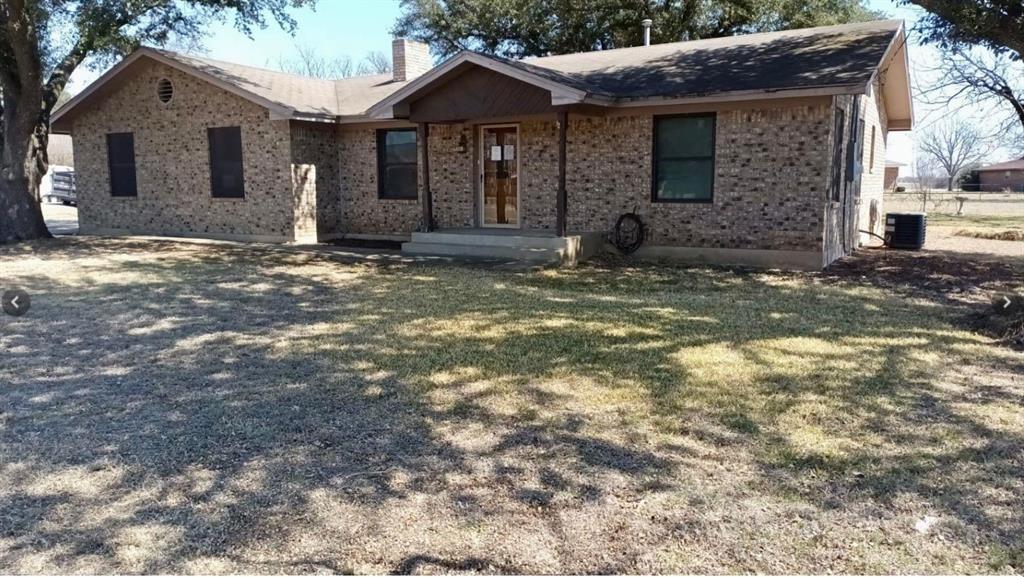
<point>500,175</point>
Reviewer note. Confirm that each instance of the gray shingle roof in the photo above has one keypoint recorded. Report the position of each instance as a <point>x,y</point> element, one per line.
<point>311,96</point>
<point>846,54</point>
<point>826,57</point>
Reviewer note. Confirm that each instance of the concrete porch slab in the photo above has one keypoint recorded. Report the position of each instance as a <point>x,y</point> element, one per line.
<point>531,246</point>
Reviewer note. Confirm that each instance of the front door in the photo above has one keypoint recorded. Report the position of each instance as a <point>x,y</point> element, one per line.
<point>500,206</point>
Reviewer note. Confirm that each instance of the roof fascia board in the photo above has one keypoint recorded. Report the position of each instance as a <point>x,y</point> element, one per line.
<point>906,66</point>
<point>738,96</point>
<point>560,93</point>
<point>277,111</point>
<point>308,117</point>
<point>898,44</point>
<point>900,125</point>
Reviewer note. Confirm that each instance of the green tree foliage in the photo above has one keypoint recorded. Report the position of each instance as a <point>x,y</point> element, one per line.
<point>518,28</point>
<point>966,30</point>
<point>41,44</point>
<point>995,24</point>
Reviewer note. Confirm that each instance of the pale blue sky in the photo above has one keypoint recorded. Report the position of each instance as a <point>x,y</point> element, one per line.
<point>353,28</point>
<point>338,27</point>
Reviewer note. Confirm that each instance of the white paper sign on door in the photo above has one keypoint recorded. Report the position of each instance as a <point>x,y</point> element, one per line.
<point>496,153</point>
<point>510,152</point>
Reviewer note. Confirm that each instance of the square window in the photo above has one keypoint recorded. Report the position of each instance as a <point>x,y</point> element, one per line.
<point>684,158</point>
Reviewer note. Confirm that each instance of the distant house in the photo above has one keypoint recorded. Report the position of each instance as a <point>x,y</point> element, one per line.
<point>892,174</point>
<point>1002,176</point>
<point>764,149</point>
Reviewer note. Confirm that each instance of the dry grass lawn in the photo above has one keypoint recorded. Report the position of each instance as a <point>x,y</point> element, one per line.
<point>990,227</point>
<point>977,221</point>
<point>180,407</point>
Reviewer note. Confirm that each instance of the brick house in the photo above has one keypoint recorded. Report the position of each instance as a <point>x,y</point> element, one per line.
<point>764,149</point>
<point>892,174</point>
<point>1002,176</point>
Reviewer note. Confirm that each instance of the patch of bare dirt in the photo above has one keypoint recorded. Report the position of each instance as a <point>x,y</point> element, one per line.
<point>944,238</point>
<point>970,281</point>
<point>941,276</point>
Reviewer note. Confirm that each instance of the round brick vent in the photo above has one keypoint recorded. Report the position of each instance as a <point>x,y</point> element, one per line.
<point>164,90</point>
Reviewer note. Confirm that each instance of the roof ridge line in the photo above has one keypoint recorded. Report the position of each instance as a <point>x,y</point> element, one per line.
<point>747,35</point>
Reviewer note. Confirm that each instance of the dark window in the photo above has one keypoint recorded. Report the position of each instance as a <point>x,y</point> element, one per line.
<point>396,163</point>
<point>121,159</point>
<point>684,158</point>
<point>871,162</point>
<point>837,154</point>
<point>227,179</point>
<point>855,149</point>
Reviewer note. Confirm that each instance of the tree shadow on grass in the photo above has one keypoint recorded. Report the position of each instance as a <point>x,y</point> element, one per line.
<point>171,405</point>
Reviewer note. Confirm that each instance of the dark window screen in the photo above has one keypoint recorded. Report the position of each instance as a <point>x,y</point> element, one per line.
<point>121,159</point>
<point>396,164</point>
<point>837,154</point>
<point>227,178</point>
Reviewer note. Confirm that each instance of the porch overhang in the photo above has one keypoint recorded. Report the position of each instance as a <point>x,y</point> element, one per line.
<point>399,104</point>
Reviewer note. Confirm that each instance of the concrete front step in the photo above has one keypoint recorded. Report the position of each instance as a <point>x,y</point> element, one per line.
<point>528,254</point>
<point>503,239</point>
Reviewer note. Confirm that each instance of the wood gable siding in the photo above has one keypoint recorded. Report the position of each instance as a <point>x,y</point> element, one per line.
<point>480,93</point>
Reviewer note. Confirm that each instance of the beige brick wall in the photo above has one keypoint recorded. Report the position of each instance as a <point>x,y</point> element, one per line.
<point>538,184</point>
<point>873,179</point>
<point>316,144</point>
<point>772,172</point>
<point>172,162</point>
<point>770,177</point>
<point>308,181</point>
<point>451,175</point>
<point>304,193</point>
<point>872,111</point>
<point>409,59</point>
<point>770,186</point>
<point>361,211</point>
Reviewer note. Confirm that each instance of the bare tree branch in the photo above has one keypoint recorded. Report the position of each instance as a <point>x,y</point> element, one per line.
<point>375,63</point>
<point>310,62</point>
<point>979,79</point>
<point>954,146</point>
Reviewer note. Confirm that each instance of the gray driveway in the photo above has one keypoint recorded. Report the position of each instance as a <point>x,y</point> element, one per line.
<point>62,220</point>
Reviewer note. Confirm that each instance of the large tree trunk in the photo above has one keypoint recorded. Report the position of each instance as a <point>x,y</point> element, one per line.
<point>24,122</point>
<point>24,162</point>
<point>21,216</point>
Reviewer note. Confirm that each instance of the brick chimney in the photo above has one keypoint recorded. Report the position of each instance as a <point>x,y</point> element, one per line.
<point>409,59</point>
